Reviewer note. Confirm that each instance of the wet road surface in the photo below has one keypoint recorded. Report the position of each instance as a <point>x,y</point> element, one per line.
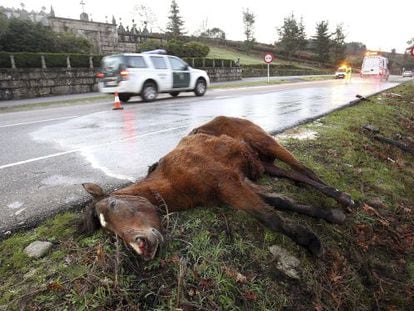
<point>48,153</point>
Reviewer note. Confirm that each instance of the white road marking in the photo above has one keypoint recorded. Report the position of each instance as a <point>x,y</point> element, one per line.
<point>222,97</point>
<point>53,155</point>
<point>15,205</point>
<point>38,121</point>
<point>20,211</point>
<point>38,158</point>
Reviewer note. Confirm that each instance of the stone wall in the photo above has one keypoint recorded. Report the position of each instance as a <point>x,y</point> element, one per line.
<point>259,72</point>
<point>34,82</point>
<point>29,83</point>
<point>219,74</point>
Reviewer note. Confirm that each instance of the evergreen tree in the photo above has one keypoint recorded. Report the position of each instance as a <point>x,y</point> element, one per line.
<point>176,23</point>
<point>338,45</point>
<point>322,42</point>
<point>292,36</point>
<point>248,21</point>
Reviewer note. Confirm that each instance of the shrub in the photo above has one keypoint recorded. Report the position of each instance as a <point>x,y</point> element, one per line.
<point>195,49</point>
<point>27,36</point>
<point>175,47</point>
<point>187,49</point>
<point>150,45</point>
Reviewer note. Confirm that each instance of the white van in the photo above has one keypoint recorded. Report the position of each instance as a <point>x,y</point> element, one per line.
<point>148,74</point>
<point>375,66</point>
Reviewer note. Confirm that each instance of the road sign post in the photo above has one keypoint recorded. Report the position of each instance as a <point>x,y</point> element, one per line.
<point>268,58</point>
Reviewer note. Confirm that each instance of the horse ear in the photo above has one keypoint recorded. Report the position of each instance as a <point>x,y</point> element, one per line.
<point>94,190</point>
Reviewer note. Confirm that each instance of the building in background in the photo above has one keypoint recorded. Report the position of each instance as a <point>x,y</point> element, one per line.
<point>106,38</point>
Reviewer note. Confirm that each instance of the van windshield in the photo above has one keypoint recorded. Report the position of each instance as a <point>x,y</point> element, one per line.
<point>371,62</point>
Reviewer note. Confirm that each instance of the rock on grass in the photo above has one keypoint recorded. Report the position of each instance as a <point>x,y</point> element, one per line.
<point>37,249</point>
<point>286,263</point>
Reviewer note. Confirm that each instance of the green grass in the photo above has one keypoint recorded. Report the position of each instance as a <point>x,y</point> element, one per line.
<point>228,53</point>
<point>368,262</point>
<point>248,58</point>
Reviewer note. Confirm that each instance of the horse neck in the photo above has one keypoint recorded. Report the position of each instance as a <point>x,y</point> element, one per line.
<point>157,190</point>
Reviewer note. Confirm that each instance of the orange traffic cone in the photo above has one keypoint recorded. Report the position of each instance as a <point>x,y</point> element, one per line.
<point>117,103</point>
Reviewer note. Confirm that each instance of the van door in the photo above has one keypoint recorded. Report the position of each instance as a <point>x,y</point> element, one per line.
<point>163,72</point>
<point>180,73</point>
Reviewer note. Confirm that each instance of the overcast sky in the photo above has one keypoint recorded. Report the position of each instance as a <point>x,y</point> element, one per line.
<point>380,25</point>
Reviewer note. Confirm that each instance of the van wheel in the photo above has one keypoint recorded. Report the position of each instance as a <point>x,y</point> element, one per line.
<point>174,94</point>
<point>200,87</point>
<point>124,98</point>
<point>149,91</point>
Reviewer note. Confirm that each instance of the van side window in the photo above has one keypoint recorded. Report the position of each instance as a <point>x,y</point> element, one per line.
<point>158,62</point>
<point>177,64</point>
<point>136,62</point>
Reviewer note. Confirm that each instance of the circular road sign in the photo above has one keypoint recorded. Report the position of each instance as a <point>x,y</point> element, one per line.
<point>268,58</point>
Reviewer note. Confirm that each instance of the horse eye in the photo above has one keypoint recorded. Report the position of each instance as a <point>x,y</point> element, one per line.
<point>112,204</point>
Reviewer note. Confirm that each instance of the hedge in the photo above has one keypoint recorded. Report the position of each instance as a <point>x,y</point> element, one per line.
<point>58,60</point>
<point>53,60</point>
<point>5,60</point>
<point>177,47</point>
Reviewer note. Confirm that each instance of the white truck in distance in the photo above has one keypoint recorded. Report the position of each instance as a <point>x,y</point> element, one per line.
<point>375,66</point>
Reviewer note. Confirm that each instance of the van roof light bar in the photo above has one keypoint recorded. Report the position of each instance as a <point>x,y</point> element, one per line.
<point>158,51</point>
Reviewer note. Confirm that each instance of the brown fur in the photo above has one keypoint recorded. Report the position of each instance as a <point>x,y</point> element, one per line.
<point>215,164</point>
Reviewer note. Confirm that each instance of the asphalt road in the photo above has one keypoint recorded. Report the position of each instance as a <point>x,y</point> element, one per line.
<point>48,153</point>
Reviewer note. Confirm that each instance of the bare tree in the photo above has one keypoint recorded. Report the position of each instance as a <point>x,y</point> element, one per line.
<point>145,16</point>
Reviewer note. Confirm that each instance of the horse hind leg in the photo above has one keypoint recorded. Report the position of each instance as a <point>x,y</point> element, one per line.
<point>335,216</point>
<point>342,198</point>
<point>240,195</point>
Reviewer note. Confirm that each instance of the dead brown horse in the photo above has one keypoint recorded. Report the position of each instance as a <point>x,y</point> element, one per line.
<point>216,164</point>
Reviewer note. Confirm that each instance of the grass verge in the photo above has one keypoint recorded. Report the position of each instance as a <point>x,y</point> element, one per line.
<point>222,256</point>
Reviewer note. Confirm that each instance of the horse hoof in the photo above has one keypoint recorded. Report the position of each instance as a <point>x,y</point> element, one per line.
<point>336,216</point>
<point>346,200</point>
<point>308,239</point>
